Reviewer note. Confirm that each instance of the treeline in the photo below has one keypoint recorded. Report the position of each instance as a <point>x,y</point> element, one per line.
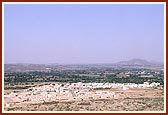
<point>57,76</point>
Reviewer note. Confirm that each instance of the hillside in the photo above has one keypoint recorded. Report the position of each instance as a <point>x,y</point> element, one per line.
<point>138,62</point>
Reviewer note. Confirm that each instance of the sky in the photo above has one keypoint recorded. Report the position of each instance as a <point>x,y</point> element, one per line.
<point>83,33</point>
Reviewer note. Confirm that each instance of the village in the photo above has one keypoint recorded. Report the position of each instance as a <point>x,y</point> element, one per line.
<point>68,92</point>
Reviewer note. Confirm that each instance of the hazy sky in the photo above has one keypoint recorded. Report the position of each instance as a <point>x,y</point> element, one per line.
<point>85,33</point>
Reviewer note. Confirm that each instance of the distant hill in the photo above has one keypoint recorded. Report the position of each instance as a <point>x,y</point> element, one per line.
<point>139,62</point>
<point>20,67</point>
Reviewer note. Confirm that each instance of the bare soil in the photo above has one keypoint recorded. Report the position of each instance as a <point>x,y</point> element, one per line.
<point>126,100</point>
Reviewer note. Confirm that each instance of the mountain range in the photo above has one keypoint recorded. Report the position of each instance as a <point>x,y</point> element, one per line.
<point>139,62</point>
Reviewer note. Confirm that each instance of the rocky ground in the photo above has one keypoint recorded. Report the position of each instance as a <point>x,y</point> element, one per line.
<point>127,104</point>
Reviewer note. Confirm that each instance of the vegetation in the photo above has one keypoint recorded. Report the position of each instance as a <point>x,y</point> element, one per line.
<point>85,76</point>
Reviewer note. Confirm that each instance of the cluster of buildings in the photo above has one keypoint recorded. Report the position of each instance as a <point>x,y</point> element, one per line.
<point>56,92</point>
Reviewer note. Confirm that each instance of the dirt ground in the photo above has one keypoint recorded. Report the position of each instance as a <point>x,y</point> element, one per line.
<point>126,100</point>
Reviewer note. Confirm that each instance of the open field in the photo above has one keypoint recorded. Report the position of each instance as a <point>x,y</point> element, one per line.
<point>124,104</point>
